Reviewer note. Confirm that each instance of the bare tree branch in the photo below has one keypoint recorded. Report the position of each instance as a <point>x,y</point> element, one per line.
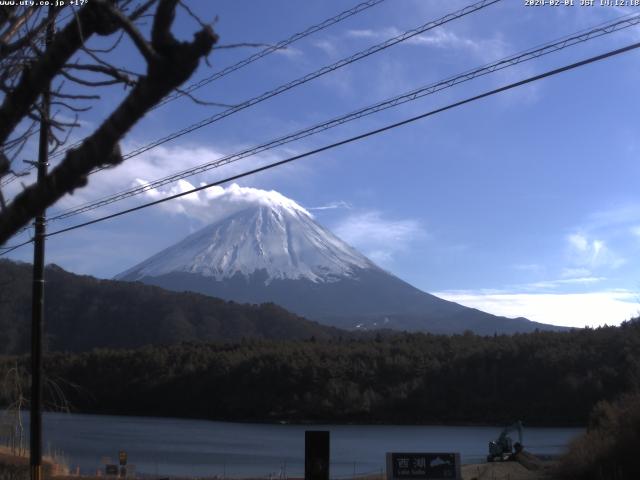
<point>138,39</point>
<point>141,10</point>
<point>75,96</point>
<point>198,20</point>
<point>173,63</point>
<point>88,83</point>
<point>100,61</point>
<point>8,48</point>
<point>73,108</point>
<point>202,102</point>
<point>110,71</point>
<point>15,25</point>
<point>35,77</point>
<point>107,49</point>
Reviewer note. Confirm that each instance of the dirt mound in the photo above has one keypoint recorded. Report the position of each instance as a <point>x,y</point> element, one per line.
<point>499,471</point>
<point>528,460</point>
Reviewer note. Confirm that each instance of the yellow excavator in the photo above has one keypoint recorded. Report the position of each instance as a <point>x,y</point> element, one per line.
<point>504,448</point>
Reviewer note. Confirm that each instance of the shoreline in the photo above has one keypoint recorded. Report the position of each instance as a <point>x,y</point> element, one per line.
<point>310,423</point>
<point>526,467</point>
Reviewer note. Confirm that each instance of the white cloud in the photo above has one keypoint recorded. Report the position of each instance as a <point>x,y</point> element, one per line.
<point>573,273</point>
<point>377,237</point>
<point>327,46</point>
<point>614,220</point>
<point>163,162</point>
<point>215,203</point>
<point>575,309</point>
<point>450,45</point>
<point>439,38</point>
<point>579,242</point>
<point>443,38</point>
<point>587,258</point>
<point>155,164</point>
<point>591,253</point>
<point>289,52</point>
<point>332,206</point>
<point>362,33</point>
<point>548,284</point>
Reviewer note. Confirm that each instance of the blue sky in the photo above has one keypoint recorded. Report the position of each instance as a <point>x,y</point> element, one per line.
<point>521,204</point>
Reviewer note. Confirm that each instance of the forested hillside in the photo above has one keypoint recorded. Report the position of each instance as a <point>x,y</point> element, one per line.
<point>83,312</point>
<point>542,378</point>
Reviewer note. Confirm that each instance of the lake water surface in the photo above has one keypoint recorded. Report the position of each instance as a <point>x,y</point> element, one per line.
<point>174,447</point>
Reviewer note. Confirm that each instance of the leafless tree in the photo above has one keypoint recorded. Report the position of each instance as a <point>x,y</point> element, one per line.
<point>79,64</point>
<point>16,401</point>
<point>14,396</point>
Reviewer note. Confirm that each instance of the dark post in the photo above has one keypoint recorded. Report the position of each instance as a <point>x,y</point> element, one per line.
<point>316,455</point>
<point>37,307</point>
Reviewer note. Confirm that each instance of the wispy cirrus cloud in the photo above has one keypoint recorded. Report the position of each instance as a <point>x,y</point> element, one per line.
<point>329,47</point>
<point>332,206</point>
<point>560,282</point>
<point>586,252</point>
<point>439,38</point>
<point>289,52</point>
<point>586,262</point>
<point>614,219</point>
<point>377,236</point>
<point>363,33</point>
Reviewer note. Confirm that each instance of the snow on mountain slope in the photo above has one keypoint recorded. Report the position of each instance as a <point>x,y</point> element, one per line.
<point>263,247</point>
<point>256,230</point>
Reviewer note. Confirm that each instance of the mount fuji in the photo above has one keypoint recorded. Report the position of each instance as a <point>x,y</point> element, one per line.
<point>263,247</point>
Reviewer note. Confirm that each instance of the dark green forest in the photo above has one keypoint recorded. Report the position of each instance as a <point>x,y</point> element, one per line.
<point>84,312</point>
<point>542,378</point>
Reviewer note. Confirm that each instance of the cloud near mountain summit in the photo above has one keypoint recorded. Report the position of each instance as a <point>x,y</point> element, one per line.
<point>215,203</point>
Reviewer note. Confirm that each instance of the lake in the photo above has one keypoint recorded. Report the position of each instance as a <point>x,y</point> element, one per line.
<point>179,447</point>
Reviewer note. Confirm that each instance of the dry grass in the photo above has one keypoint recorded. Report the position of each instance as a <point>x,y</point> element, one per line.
<point>609,450</point>
<point>55,466</point>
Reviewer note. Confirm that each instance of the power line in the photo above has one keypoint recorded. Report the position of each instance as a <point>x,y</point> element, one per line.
<point>278,46</point>
<point>236,66</point>
<point>10,178</point>
<point>256,56</point>
<point>345,61</point>
<point>318,73</point>
<point>362,136</point>
<point>510,61</point>
<point>307,78</point>
<point>14,247</point>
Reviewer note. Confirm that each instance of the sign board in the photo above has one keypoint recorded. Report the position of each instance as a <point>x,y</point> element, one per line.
<point>423,466</point>
<point>316,455</point>
<point>122,455</point>
<point>111,470</point>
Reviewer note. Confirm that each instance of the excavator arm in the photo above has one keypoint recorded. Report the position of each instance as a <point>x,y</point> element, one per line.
<point>515,427</point>
<point>503,445</point>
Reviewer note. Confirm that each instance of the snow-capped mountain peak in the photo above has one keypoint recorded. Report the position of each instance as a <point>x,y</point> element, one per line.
<point>263,247</point>
<point>257,231</point>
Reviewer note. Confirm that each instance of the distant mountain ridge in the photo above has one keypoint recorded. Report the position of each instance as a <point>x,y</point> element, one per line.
<point>267,248</point>
<point>82,313</point>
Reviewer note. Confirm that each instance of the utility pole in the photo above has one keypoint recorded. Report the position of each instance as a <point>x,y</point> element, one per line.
<point>37,307</point>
